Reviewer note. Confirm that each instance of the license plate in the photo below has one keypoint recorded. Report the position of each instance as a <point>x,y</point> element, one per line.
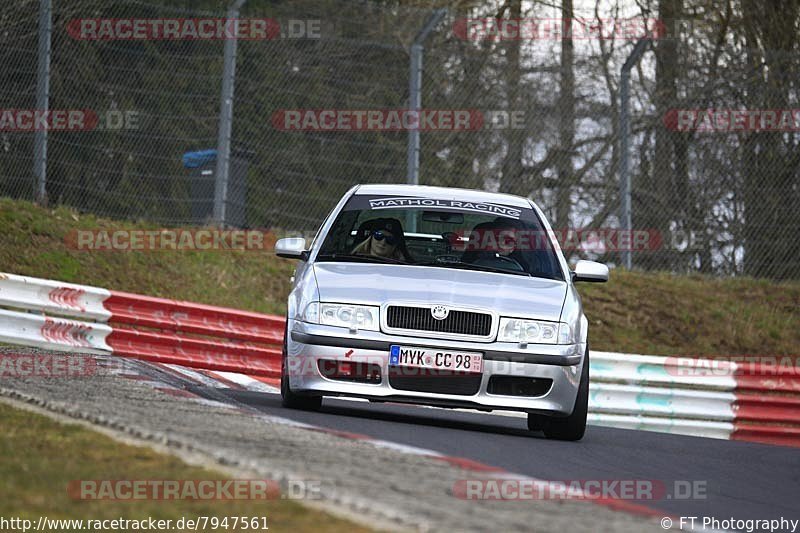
<point>435,358</point>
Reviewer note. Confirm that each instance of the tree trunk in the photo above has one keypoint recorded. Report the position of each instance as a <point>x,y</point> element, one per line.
<point>654,196</point>
<point>771,196</point>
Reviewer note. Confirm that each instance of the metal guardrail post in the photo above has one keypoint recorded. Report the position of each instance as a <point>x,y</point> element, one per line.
<point>624,139</point>
<point>226,116</point>
<point>42,98</point>
<point>415,93</point>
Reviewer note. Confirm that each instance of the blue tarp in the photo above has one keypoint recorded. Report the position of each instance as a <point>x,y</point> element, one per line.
<point>199,158</point>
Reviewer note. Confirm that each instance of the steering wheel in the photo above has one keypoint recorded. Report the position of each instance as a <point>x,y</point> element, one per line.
<point>450,238</point>
<point>511,260</point>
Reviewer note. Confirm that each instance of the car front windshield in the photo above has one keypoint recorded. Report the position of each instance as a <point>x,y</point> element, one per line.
<point>441,233</point>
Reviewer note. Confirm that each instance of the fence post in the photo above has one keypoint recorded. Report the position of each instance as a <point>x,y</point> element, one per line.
<point>42,98</point>
<point>624,134</point>
<point>226,115</point>
<point>415,93</point>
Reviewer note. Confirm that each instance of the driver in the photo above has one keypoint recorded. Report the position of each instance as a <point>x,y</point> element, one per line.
<point>506,241</point>
<point>385,239</point>
<point>501,246</point>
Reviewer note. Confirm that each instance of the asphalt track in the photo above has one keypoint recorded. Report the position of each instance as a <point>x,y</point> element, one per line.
<point>742,480</point>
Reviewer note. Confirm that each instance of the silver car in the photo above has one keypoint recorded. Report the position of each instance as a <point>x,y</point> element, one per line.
<point>443,297</point>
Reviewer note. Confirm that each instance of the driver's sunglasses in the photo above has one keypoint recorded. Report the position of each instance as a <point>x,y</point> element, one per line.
<point>379,236</point>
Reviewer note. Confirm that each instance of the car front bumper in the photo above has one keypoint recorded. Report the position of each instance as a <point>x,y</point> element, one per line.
<point>308,343</point>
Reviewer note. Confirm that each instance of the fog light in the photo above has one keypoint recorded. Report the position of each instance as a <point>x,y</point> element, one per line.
<point>353,371</point>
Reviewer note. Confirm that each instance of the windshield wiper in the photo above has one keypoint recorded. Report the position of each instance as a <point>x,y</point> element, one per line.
<point>361,258</point>
<point>473,266</point>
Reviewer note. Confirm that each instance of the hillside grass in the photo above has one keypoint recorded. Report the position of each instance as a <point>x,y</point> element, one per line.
<point>653,313</point>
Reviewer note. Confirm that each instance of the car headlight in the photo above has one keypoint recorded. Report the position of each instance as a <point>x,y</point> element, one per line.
<point>534,331</point>
<point>343,315</point>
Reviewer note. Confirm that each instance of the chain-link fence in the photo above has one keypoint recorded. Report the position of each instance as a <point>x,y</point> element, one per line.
<point>712,192</point>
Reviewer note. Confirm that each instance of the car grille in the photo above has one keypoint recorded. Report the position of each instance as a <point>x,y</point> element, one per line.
<point>435,381</point>
<point>457,322</point>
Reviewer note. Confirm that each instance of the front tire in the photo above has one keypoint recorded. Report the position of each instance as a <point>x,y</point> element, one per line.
<point>572,427</point>
<point>537,422</point>
<point>288,398</point>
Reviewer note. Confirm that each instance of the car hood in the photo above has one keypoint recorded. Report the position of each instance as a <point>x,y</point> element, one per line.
<point>506,294</point>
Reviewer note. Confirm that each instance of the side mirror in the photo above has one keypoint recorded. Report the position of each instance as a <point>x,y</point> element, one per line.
<point>590,271</point>
<point>291,248</point>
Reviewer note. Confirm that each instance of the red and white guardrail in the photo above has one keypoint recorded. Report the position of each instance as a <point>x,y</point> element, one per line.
<point>744,400</point>
<point>741,401</point>
<point>80,318</point>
